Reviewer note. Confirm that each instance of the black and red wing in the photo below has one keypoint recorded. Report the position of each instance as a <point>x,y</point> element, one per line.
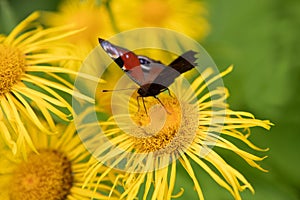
<point>183,63</point>
<point>125,59</point>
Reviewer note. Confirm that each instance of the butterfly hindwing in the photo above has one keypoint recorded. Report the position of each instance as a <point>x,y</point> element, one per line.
<point>182,64</point>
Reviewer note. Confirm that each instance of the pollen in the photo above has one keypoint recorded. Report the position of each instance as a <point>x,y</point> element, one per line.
<point>47,175</point>
<point>12,66</point>
<point>168,128</point>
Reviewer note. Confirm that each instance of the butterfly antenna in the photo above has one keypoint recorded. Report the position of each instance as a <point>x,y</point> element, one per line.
<point>118,90</point>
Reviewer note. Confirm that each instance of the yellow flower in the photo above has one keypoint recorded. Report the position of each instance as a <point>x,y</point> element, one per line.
<point>81,14</point>
<point>184,16</point>
<point>87,15</point>
<point>55,173</point>
<point>29,84</point>
<point>186,126</point>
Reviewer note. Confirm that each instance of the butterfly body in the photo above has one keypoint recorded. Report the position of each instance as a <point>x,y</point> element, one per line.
<point>151,89</point>
<point>152,76</point>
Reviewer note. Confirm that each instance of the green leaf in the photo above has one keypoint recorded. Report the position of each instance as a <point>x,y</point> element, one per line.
<point>7,17</point>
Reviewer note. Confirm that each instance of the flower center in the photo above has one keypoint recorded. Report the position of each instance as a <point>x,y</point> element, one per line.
<point>44,176</point>
<point>12,65</point>
<point>173,132</point>
<point>155,12</point>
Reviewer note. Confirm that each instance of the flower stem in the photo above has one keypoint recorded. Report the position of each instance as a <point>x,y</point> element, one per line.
<point>111,16</point>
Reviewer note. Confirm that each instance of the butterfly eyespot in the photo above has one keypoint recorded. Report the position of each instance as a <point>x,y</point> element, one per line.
<point>144,61</point>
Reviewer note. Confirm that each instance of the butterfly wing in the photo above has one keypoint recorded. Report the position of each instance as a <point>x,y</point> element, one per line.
<point>183,63</point>
<point>151,68</point>
<point>143,70</point>
<point>125,59</point>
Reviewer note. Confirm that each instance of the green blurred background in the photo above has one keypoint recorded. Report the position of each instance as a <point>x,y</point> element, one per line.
<point>261,39</point>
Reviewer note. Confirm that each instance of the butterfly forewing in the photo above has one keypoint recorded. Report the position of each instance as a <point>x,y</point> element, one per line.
<point>185,62</point>
<point>140,69</point>
<point>126,60</point>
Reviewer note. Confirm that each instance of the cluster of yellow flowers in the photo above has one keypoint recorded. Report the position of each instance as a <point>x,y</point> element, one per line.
<point>42,156</point>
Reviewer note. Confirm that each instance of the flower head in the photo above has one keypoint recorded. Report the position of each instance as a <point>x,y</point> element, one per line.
<point>56,172</point>
<point>30,86</point>
<point>87,15</point>
<point>185,125</point>
<point>187,17</point>
<point>81,14</point>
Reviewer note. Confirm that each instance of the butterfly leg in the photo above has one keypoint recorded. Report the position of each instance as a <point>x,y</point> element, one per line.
<point>138,102</point>
<point>168,91</point>
<point>137,99</point>
<point>161,104</point>
<point>144,106</point>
